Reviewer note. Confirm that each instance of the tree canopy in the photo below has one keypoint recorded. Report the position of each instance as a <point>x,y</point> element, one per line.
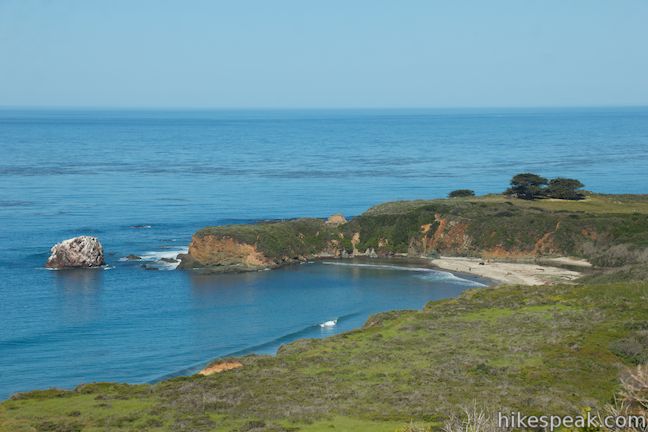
<point>565,188</point>
<point>527,186</point>
<point>531,186</point>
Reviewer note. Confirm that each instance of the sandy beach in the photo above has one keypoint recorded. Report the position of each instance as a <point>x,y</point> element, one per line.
<point>509,272</point>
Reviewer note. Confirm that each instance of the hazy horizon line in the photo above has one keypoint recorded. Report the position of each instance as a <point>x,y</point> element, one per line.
<point>307,108</point>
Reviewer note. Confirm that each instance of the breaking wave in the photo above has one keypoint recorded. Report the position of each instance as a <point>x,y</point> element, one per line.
<point>161,260</point>
<point>426,273</point>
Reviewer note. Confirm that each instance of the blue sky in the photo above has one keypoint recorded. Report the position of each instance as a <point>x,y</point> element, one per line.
<point>333,53</point>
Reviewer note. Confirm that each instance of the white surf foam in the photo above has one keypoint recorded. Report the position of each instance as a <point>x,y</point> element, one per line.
<point>379,266</point>
<point>156,257</point>
<point>447,276</point>
<point>426,273</point>
<point>103,267</point>
<point>328,324</point>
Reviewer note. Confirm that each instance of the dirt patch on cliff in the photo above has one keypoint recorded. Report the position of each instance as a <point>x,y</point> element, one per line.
<point>440,231</point>
<point>545,244</point>
<point>355,240</point>
<point>450,236</point>
<point>221,367</point>
<point>336,219</point>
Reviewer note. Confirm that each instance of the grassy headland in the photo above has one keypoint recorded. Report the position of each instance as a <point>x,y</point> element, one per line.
<point>608,230</point>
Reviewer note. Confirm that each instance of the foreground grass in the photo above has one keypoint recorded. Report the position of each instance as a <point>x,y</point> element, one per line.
<point>533,349</point>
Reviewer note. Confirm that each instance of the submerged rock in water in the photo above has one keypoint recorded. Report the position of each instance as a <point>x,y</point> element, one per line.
<point>169,260</point>
<point>83,251</point>
<point>133,257</point>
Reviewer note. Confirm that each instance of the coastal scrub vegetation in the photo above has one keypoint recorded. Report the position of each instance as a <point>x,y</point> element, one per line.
<point>461,193</point>
<point>533,349</point>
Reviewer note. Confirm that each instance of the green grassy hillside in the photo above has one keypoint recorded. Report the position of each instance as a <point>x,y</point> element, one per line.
<point>593,203</point>
<point>535,349</point>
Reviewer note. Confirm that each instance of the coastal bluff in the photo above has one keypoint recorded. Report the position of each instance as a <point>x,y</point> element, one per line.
<point>607,230</point>
<point>260,246</point>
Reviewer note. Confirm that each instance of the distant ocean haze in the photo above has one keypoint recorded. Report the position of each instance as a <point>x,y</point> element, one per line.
<point>144,181</point>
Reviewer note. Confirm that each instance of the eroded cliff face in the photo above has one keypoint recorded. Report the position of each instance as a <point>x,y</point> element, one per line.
<point>224,252</point>
<point>449,236</point>
<point>489,232</point>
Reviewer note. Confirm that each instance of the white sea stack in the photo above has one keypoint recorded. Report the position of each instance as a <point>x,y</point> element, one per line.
<point>83,251</point>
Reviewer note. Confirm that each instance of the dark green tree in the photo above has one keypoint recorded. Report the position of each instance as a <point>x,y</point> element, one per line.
<point>527,186</point>
<point>459,193</point>
<point>565,188</point>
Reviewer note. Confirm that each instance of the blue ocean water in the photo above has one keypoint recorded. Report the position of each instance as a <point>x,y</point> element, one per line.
<point>144,181</point>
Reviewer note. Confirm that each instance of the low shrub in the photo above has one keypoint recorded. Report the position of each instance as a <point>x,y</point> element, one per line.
<point>461,193</point>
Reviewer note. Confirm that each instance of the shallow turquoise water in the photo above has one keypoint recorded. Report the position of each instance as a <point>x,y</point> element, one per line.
<point>65,173</point>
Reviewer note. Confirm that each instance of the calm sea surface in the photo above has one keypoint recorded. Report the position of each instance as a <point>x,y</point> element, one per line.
<point>144,181</point>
